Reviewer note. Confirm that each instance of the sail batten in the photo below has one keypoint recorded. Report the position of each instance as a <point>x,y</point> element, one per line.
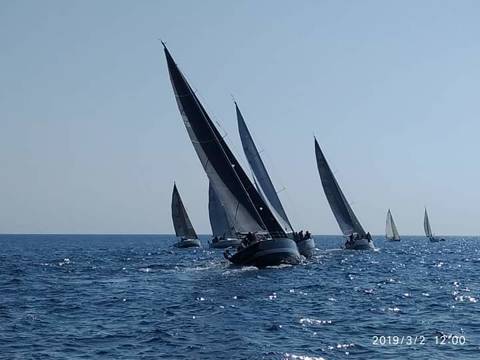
<point>391,231</point>
<point>261,178</point>
<point>346,219</point>
<point>181,222</point>
<point>242,204</point>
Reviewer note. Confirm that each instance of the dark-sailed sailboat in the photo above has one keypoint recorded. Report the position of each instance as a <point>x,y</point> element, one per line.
<point>391,232</point>
<point>265,243</point>
<point>223,234</point>
<point>266,189</point>
<point>186,235</point>
<point>357,238</point>
<point>428,229</point>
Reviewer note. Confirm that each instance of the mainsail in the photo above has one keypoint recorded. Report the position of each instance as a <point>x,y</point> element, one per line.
<point>390,228</point>
<point>426,225</point>
<point>346,219</point>
<point>261,177</point>
<point>218,218</point>
<point>242,204</point>
<point>181,222</point>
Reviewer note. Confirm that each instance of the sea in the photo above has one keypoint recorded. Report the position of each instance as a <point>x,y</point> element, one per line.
<point>138,297</point>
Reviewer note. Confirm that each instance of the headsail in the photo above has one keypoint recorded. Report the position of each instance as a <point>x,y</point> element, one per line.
<point>218,218</point>
<point>390,228</point>
<point>344,214</point>
<point>243,205</point>
<point>426,225</point>
<point>261,177</point>
<point>181,222</point>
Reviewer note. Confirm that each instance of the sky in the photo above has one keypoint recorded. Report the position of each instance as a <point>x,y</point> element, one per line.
<point>91,139</point>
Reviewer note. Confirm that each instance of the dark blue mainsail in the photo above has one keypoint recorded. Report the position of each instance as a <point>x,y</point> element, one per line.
<point>243,205</point>
<point>260,172</point>
<point>344,214</point>
<point>181,222</point>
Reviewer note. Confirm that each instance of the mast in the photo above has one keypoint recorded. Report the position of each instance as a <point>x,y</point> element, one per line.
<point>261,177</point>
<point>243,205</point>
<point>346,219</point>
<point>181,221</point>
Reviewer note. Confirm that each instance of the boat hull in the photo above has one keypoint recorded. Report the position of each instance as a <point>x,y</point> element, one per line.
<point>187,243</point>
<point>392,240</point>
<point>306,247</point>
<point>270,252</point>
<point>225,243</point>
<point>434,239</point>
<point>361,244</point>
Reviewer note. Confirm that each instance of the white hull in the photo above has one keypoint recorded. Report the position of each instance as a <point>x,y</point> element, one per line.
<point>186,243</point>
<point>360,244</point>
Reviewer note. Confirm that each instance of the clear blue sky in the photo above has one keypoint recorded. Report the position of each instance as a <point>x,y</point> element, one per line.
<point>91,139</point>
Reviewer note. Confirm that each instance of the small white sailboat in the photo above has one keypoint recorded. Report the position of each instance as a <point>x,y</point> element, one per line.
<point>357,238</point>
<point>186,235</point>
<point>391,232</point>
<point>428,229</point>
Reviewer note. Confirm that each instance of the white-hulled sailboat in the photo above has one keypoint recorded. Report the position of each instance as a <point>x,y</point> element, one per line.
<point>428,229</point>
<point>266,189</point>
<point>186,235</point>
<point>357,238</point>
<point>223,233</point>
<point>391,232</point>
<point>264,242</point>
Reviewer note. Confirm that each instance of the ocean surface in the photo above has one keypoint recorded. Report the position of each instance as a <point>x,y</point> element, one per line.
<point>137,297</point>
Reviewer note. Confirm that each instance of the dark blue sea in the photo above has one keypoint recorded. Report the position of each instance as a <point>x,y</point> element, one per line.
<point>137,297</point>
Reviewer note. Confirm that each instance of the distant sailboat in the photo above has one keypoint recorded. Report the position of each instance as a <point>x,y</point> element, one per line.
<point>223,233</point>
<point>187,237</point>
<point>357,238</point>
<point>428,229</point>
<point>391,232</point>
<point>265,240</point>
<point>306,244</point>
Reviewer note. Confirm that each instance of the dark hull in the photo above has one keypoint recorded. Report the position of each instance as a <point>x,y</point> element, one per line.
<point>434,239</point>
<point>265,253</point>
<point>306,247</point>
<point>225,243</point>
<point>362,244</point>
<point>187,243</point>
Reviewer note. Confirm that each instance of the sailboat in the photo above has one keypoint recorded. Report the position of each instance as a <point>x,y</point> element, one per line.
<point>357,239</point>
<point>264,242</point>
<point>391,232</point>
<point>223,234</point>
<point>186,235</point>
<point>428,229</point>
<point>266,189</point>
